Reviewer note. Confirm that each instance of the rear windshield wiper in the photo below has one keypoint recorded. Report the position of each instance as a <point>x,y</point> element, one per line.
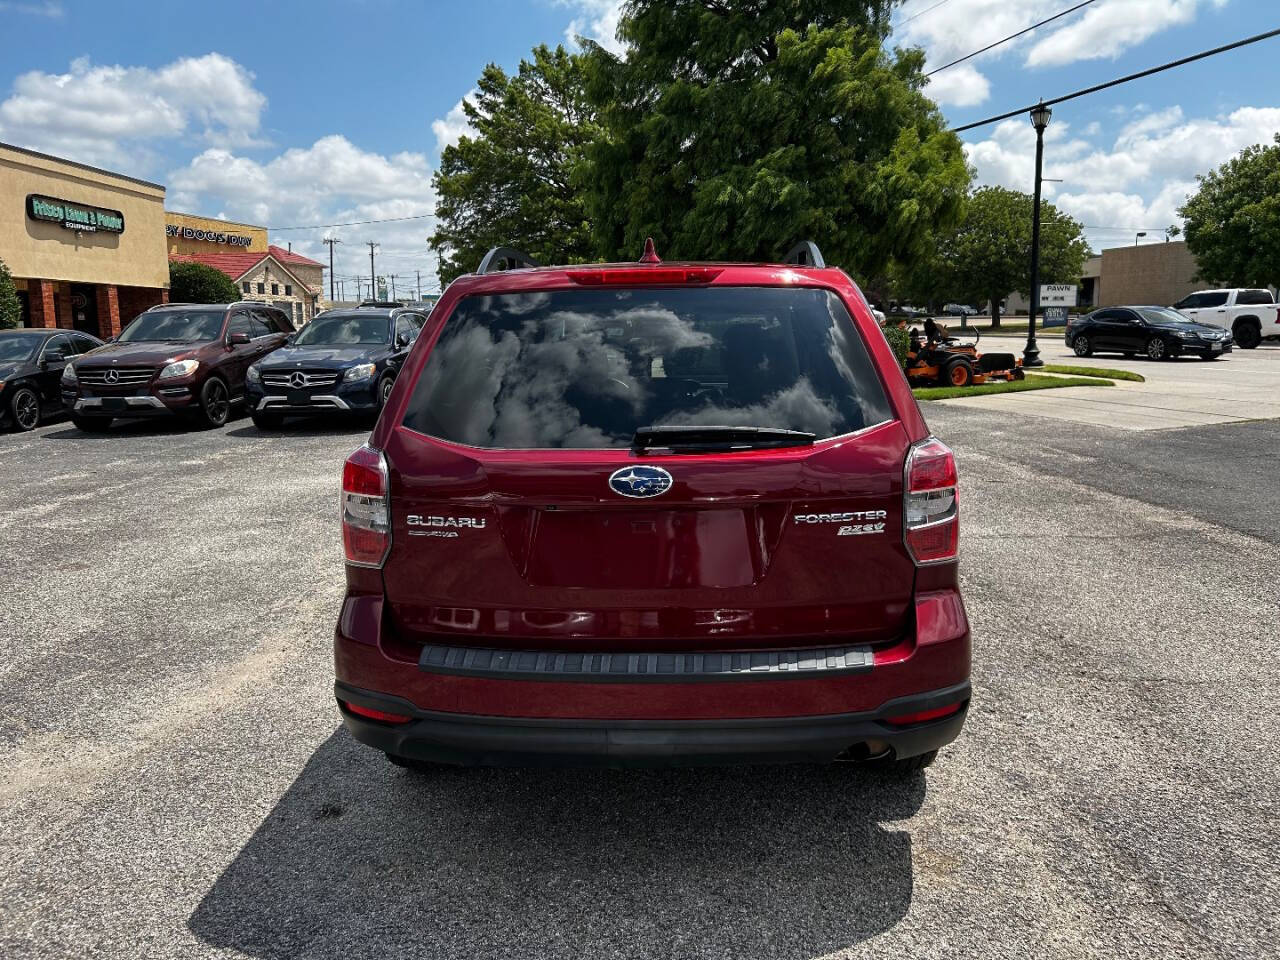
<point>693,439</point>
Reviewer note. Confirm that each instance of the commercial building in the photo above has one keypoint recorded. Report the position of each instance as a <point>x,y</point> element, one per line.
<point>283,278</point>
<point>1158,273</point>
<point>1150,273</point>
<point>85,246</point>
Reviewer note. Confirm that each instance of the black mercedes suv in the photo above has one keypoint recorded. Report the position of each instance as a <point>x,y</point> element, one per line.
<point>344,360</point>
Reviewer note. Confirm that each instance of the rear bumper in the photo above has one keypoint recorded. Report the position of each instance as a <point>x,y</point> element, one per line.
<point>509,741</point>
<point>626,708</point>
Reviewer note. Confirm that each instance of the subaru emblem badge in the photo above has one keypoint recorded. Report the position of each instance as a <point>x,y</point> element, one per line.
<point>640,481</point>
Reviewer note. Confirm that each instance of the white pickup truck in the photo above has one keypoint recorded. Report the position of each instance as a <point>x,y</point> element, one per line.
<point>1251,315</point>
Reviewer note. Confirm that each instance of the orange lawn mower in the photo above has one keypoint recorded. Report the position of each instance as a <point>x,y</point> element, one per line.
<point>946,361</point>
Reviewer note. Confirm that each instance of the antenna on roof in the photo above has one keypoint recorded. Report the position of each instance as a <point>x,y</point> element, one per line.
<point>650,255</point>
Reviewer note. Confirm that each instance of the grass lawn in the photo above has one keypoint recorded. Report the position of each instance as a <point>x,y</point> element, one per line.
<point>1032,382</point>
<point>1103,372</point>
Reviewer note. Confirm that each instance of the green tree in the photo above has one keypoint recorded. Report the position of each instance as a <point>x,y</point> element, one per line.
<point>196,283</point>
<point>734,128</point>
<point>988,255</point>
<point>509,182</point>
<point>10,308</point>
<point>1233,220</point>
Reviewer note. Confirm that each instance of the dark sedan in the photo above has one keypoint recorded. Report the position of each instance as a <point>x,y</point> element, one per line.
<point>1158,332</point>
<point>31,362</point>
<point>342,361</point>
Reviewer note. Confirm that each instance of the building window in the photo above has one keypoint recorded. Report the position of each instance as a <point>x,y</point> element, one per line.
<point>288,290</point>
<point>245,286</point>
<point>275,288</point>
<point>262,288</point>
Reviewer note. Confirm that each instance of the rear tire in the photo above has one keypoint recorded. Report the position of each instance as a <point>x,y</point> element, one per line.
<point>1157,350</point>
<point>1247,335</point>
<point>1082,346</point>
<point>91,424</point>
<point>958,372</point>
<point>215,403</point>
<point>24,409</point>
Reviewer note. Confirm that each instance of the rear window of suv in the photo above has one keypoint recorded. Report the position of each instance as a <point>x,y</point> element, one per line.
<point>585,369</point>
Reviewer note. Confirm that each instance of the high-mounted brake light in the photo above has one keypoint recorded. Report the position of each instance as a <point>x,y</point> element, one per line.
<point>366,508</point>
<point>644,275</point>
<point>931,519</point>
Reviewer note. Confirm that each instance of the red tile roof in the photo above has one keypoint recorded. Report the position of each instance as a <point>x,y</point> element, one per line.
<point>285,256</point>
<point>236,265</point>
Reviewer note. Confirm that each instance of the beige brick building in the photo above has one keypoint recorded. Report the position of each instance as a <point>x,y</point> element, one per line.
<point>85,246</point>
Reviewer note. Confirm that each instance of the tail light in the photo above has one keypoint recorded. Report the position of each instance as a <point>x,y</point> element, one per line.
<point>931,518</point>
<point>366,508</point>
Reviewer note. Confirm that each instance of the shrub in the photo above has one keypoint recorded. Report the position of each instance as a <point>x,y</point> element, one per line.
<point>10,308</point>
<point>899,340</point>
<point>196,283</point>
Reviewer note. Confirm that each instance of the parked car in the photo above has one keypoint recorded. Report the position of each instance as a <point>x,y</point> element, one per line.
<point>31,363</point>
<point>959,310</point>
<point>343,360</point>
<point>1159,332</point>
<point>649,513</point>
<point>185,359</point>
<point>1251,315</point>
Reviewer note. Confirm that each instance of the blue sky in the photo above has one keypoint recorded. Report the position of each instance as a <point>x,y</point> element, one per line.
<point>290,114</point>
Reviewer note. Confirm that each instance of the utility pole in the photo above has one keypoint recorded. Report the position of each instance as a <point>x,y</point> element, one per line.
<point>373,277</point>
<point>393,287</point>
<point>419,275</point>
<point>331,241</point>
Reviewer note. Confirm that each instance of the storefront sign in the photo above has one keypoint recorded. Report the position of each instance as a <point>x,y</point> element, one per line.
<point>1057,294</point>
<point>74,216</point>
<point>192,233</point>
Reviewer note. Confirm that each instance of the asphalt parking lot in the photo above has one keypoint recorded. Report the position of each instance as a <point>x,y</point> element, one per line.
<point>174,781</point>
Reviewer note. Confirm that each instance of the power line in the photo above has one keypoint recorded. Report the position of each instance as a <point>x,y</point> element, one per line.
<point>357,223</point>
<point>1119,80</point>
<point>1012,36</point>
<point>902,23</point>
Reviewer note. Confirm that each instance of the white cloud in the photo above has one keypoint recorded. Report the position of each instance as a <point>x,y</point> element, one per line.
<point>454,126</point>
<point>1138,180</point>
<point>1105,29</point>
<point>331,181</point>
<point>596,20</point>
<point>108,114</point>
<point>1109,28</point>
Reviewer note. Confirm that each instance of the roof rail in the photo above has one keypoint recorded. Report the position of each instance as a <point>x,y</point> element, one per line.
<point>805,254</point>
<point>505,258</point>
<point>380,303</point>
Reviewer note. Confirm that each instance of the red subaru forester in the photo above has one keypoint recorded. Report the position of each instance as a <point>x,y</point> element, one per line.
<point>652,513</point>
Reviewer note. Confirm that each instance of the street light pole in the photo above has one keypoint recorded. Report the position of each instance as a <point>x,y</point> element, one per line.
<point>1040,116</point>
